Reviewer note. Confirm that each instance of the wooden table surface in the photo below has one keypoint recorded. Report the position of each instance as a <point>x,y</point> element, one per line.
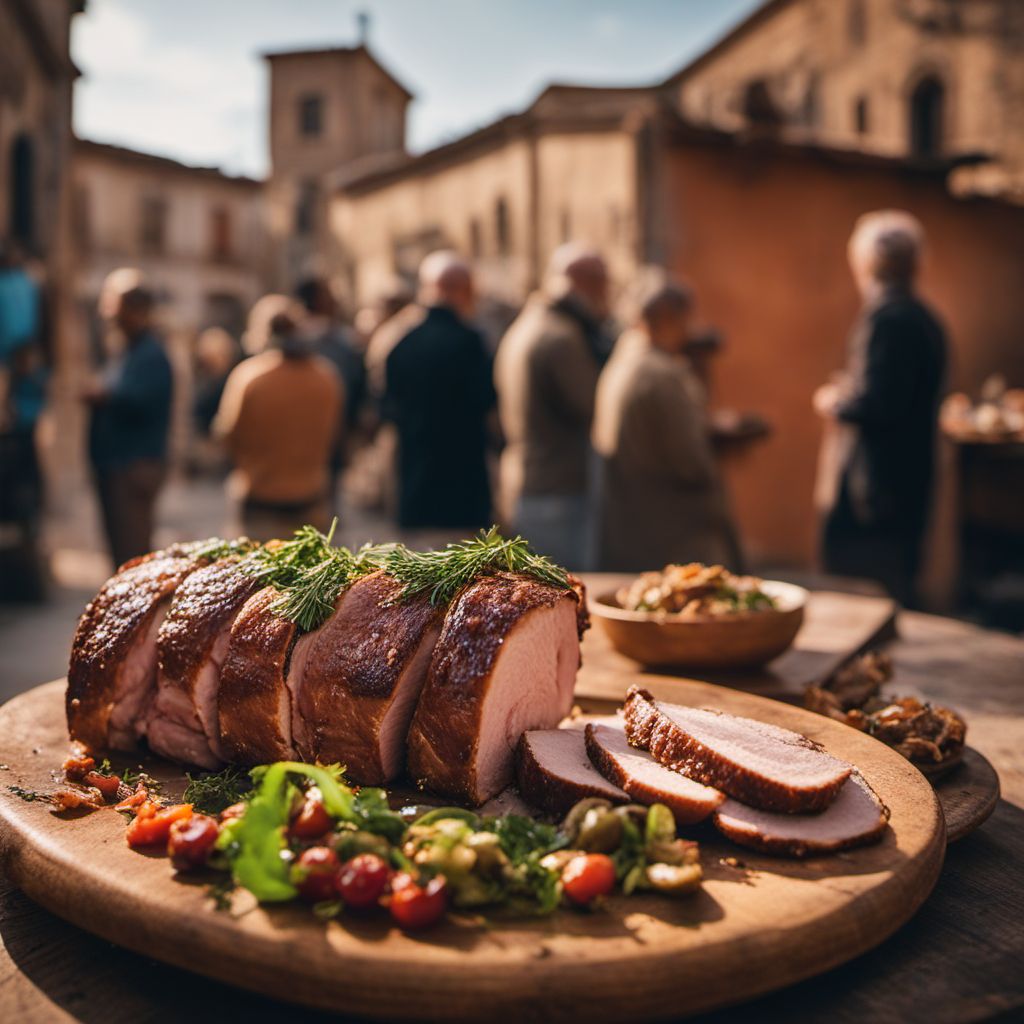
<point>958,960</point>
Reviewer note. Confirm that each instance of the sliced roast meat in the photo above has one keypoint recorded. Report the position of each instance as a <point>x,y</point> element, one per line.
<point>506,662</point>
<point>112,674</point>
<point>554,772</point>
<point>191,646</point>
<point>644,779</point>
<point>355,681</point>
<point>855,818</point>
<point>254,707</point>
<point>762,765</point>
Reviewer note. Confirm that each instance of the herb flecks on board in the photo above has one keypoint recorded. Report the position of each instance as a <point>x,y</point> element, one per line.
<point>443,573</point>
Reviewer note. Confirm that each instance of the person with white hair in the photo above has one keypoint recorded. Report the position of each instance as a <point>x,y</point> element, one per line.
<point>658,496</point>
<point>546,372</point>
<point>438,393</point>
<point>875,473</point>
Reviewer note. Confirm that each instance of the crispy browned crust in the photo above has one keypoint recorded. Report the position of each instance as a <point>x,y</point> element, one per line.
<point>111,622</point>
<point>352,671</point>
<point>801,849</point>
<point>686,812</point>
<point>582,611</point>
<point>551,793</point>
<point>202,606</point>
<point>445,729</point>
<point>650,730</point>
<point>252,679</point>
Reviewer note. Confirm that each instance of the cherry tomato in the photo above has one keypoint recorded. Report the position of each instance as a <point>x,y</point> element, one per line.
<point>588,876</point>
<point>363,879</point>
<point>108,785</point>
<point>315,874</point>
<point>234,811</point>
<point>152,824</point>
<point>191,840</point>
<point>76,768</point>
<point>312,821</point>
<point>418,906</point>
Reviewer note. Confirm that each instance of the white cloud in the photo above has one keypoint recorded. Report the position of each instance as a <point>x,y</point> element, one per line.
<point>197,104</point>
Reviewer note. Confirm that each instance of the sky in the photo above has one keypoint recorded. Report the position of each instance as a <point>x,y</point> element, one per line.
<point>185,79</point>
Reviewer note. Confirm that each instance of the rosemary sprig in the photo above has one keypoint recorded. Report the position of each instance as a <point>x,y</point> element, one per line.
<point>212,792</point>
<point>215,548</point>
<point>442,574</point>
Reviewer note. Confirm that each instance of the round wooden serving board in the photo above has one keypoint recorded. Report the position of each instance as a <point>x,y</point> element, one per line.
<point>968,794</point>
<point>759,923</point>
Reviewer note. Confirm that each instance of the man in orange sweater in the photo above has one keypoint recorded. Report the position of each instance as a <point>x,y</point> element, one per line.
<point>279,418</point>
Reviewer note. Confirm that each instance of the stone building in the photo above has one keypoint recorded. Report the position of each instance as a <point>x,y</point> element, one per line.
<point>915,78</point>
<point>329,109</point>
<point>195,233</point>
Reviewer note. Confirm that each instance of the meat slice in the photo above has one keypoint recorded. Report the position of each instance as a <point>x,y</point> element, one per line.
<point>112,674</point>
<point>646,781</point>
<point>191,646</point>
<point>355,681</point>
<point>506,662</point>
<point>554,772</point>
<point>855,818</point>
<point>254,707</point>
<point>762,765</point>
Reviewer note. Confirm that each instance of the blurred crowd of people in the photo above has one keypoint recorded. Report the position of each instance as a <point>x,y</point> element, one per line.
<point>593,442</point>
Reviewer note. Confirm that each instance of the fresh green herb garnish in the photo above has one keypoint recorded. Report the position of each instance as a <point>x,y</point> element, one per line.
<point>442,574</point>
<point>29,795</point>
<point>212,792</point>
<point>216,548</point>
<point>221,892</point>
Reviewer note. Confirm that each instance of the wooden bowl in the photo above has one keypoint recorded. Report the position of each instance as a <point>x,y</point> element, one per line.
<point>742,640</point>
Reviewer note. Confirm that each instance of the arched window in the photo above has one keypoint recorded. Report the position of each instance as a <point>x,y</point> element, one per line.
<point>856,23</point>
<point>502,233</point>
<point>927,117</point>
<point>22,200</point>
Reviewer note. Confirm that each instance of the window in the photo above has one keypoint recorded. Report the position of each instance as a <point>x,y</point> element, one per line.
<point>856,24</point>
<point>861,123</point>
<point>565,225</point>
<point>305,208</point>
<point>502,232</point>
<point>927,115</point>
<point>220,233</point>
<point>311,115</point>
<point>153,224</point>
<point>476,241</point>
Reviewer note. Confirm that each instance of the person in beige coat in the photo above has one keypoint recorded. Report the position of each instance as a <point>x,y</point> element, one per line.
<point>545,374</point>
<point>658,497</point>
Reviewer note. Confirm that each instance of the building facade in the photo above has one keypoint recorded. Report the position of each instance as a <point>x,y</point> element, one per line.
<point>922,79</point>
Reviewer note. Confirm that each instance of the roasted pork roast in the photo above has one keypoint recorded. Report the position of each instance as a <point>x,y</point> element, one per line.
<point>553,771</point>
<point>505,663</point>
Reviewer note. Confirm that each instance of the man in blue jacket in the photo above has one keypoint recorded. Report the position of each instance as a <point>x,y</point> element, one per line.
<point>131,413</point>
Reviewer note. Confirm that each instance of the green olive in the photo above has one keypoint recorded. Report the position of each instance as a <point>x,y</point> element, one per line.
<point>573,820</point>
<point>600,831</point>
<point>674,879</point>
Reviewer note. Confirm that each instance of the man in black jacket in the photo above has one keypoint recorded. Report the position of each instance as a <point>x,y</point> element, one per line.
<point>877,466</point>
<point>438,392</point>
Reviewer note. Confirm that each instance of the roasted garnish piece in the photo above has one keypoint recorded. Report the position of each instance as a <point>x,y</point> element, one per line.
<point>931,737</point>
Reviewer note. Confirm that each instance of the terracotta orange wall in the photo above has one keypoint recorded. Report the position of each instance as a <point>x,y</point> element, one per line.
<point>762,237</point>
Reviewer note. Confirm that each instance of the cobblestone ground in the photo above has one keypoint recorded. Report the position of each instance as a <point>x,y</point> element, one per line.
<point>35,638</point>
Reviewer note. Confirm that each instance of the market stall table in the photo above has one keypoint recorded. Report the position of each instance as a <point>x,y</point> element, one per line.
<point>958,959</point>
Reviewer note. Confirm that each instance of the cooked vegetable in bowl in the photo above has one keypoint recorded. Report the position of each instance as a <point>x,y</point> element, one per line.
<point>694,590</point>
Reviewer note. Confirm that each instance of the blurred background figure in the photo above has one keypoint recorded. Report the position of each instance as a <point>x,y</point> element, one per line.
<point>130,402</point>
<point>23,380</point>
<point>546,374</point>
<point>216,355</point>
<point>280,418</point>
<point>333,340</point>
<point>875,474</point>
<point>438,392</point>
<point>658,498</point>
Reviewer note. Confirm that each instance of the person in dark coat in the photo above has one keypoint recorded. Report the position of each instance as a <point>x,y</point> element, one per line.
<point>131,415</point>
<point>438,392</point>
<point>875,479</point>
